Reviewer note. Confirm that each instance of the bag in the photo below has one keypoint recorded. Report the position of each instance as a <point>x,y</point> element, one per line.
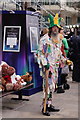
<point>65,70</point>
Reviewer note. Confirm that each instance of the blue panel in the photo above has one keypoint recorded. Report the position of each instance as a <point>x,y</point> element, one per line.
<point>17,59</point>
<point>22,61</point>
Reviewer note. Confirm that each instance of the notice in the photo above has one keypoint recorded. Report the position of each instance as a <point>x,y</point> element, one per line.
<point>12,36</point>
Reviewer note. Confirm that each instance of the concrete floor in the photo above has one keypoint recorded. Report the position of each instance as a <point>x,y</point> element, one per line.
<point>67,103</point>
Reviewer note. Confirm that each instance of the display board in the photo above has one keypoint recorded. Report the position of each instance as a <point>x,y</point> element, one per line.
<point>12,36</point>
<point>34,38</point>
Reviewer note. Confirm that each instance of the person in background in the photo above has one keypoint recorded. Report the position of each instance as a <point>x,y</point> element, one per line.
<point>64,41</point>
<point>61,78</point>
<point>44,32</point>
<point>66,50</point>
<point>75,56</point>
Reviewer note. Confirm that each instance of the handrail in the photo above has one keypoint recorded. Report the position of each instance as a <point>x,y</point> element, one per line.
<point>10,92</point>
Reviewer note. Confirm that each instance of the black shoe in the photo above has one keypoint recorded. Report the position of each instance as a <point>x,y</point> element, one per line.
<point>52,109</point>
<point>66,86</point>
<point>60,90</point>
<point>46,113</point>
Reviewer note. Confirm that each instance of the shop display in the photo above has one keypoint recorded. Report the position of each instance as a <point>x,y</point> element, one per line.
<point>11,81</point>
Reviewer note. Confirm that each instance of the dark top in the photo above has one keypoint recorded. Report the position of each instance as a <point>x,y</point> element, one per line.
<point>74,51</point>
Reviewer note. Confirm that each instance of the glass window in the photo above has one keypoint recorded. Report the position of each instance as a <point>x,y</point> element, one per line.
<point>70,4</point>
<point>55,2</point>
<point>46,2</point>
<point>32,2</point>
<point>52,2</point>
<point>78,4</point>
<point>68,20</point>
<point>78,20</point>
<point>40,3</point>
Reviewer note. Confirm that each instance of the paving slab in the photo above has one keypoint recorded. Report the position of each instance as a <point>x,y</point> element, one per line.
<point>67,103</point>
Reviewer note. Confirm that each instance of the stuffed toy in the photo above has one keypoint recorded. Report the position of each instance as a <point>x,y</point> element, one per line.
<point>4,69</point>
<point>7,73</point>
<point>20,80</point>
<point>10,80</point>
<point>27,77</point>
<point>3,81</point>
<point>10,70</point>
<point>7,78</point>
<point>9,86</point>
<point>17,86</point>
<point>1,88</point>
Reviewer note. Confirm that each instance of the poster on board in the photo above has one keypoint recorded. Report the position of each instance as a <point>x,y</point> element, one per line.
<point>33,38</point>
<point>11,40</point>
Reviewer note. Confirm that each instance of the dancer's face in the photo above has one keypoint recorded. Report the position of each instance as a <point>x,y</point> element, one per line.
<point>55,30</point>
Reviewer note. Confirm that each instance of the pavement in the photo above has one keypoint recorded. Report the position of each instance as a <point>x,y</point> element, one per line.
<point>67,103</point>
